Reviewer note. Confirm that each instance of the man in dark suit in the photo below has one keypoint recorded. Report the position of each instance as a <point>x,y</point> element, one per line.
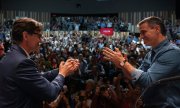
<point>22,85</point>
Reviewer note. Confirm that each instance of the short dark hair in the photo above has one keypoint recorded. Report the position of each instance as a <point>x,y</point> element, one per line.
<point>24,24</point>
<point>152,21</point>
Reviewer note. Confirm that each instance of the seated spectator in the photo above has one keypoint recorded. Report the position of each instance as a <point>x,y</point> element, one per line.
<point>106,98</point>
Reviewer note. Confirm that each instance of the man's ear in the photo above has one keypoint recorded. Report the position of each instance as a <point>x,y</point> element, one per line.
<point>25,35</point>
<point>158,30</point>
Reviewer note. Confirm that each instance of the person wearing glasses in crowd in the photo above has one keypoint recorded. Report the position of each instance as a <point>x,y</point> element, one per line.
<point>22,85</point>
<point>162,62</point>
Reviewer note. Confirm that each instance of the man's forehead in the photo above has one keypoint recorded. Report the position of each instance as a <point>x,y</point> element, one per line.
<point>144,26</point>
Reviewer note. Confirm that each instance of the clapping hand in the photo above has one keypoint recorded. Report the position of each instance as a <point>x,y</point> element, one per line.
<point>68,67</point>
<point>114,56</point>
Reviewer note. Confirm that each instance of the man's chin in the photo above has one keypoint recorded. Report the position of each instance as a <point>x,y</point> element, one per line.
<point>37,50</point>
<point>146,43</point>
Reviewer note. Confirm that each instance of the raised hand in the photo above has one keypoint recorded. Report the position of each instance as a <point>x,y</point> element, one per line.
<point>68,67</point>
<point>114,56</point>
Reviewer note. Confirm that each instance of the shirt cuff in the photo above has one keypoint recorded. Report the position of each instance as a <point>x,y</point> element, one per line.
<point>136,74</point>
<point>61,76</point>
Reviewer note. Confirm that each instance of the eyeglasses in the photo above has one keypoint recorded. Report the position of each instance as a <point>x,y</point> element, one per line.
<point>39,35</point>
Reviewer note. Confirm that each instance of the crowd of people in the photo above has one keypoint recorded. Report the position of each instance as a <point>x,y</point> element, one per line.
<point>88,23</point>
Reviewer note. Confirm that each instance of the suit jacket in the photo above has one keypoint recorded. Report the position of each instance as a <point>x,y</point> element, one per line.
<point>22,85</point>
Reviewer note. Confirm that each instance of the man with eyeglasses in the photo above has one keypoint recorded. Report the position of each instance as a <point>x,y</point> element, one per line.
<point>22,85</point>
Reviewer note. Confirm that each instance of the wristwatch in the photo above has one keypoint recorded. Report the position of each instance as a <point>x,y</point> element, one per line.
<point>123,63</point>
